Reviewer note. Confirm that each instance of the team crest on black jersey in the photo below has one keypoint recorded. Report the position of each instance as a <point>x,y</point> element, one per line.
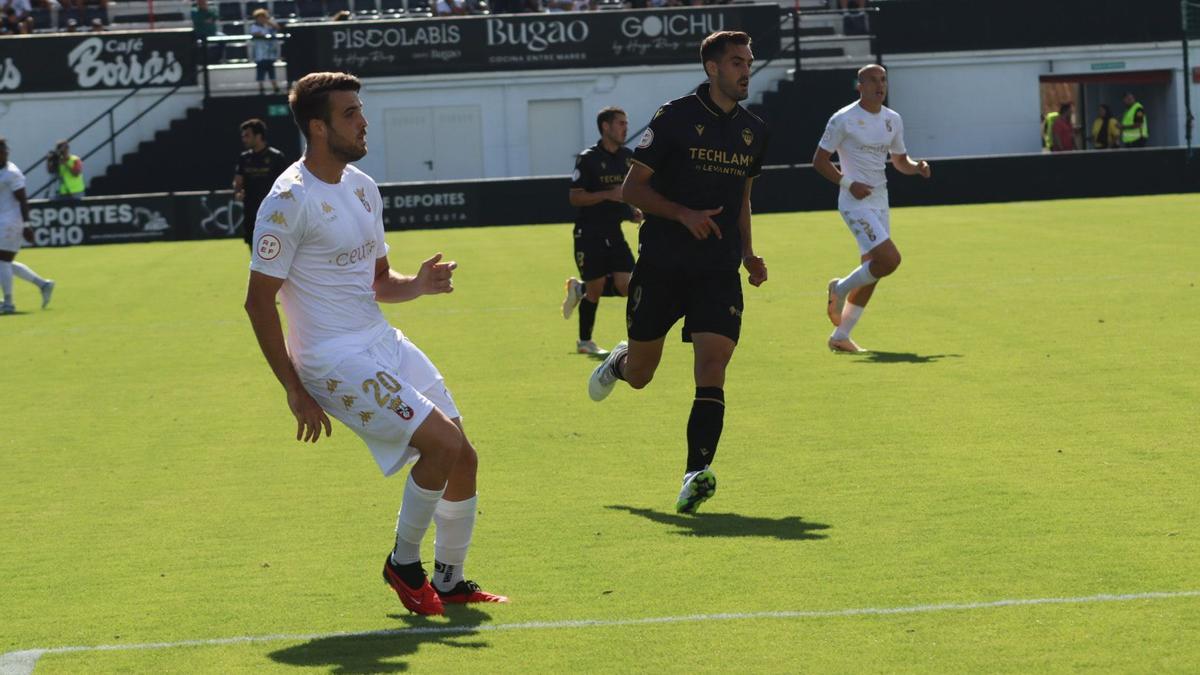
<point>747,136</point>
<point>361,193</point>
<point>699,129</point>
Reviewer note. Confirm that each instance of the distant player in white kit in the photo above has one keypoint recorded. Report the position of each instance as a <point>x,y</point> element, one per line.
<point>14,214</point>
<point>863,134</point>
<point>319,244</point>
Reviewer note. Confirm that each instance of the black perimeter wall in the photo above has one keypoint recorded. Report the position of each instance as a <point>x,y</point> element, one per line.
<point>966,180</point>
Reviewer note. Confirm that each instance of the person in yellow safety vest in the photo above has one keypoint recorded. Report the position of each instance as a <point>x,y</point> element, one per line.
<point>1048,130</point>
<point>1134,132</point>
<point>1106,131</point>
<point>68,168</point>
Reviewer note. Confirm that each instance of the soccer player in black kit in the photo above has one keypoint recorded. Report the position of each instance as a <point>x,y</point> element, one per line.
<point>257,169</point>
<point>692,173</point>
<point>601,254</point>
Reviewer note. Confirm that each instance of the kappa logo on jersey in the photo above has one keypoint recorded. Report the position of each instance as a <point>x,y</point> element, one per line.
<point>747,136</point>
<point>269,247</point>
<point>365,416</point>
<point>361,193</point>
<point>326,207</point>
<point>647,138</point>
<point>278,218</point>
<point>699,129</point>
<point>332,385</point>
<point>287,194</point>
<point>348,400</point>
<point>888,124</point>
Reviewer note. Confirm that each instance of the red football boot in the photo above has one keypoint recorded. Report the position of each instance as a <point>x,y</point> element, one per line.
<point>423,600</point>
<point>468,591</point>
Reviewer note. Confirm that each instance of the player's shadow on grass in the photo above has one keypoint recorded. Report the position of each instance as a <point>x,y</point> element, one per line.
<point>788,528</point>
<point>904,357</point>
<point>377,651</point>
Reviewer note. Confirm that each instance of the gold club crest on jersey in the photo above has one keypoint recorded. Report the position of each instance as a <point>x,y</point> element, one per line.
<point>747,136</point>
<point>326,207</point>
<point>348,400</point>
<point>278,219</point>
<point>332,385</point>
<point>361,193</point>
<point>699,129</point>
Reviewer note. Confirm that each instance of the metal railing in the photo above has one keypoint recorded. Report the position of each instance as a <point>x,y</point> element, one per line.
<point>113,132</point>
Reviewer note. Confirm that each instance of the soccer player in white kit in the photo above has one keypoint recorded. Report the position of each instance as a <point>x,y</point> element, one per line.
<point>319,244</point>
<point>14,214</point>
<point>863,134</point>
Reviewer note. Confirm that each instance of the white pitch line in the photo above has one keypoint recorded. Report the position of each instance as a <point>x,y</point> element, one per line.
<point>23,662</point>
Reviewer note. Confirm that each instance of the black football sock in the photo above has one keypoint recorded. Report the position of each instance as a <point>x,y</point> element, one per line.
<point>610,288</point>
<point>411,574</point>
<point>587,318</point>
<point>704,427</point>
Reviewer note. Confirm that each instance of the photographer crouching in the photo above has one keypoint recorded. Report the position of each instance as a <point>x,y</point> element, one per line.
<point>69,169</point>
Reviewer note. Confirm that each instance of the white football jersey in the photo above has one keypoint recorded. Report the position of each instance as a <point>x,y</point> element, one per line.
<point>323,239</point>
<point>11,180</point>
<point>862,141</point>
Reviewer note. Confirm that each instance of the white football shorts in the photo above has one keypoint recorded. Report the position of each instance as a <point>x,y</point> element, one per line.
<point>384,394</point>
<point>11,238</point>
<point>870,227</point>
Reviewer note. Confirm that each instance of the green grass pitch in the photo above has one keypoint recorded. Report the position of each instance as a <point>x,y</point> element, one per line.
<point>1026,428</point>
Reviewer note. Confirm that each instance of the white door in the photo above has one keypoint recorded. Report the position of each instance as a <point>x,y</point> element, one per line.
<point>458,142</point>
<point>408,138</point>
<point>433,143</point>
<point>555,136</point>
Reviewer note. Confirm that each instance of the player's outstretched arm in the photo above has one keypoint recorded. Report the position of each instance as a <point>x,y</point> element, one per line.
<point>905,165</point>
<point>434,276</point>
<point>264,318</point>
<point>637,192</point>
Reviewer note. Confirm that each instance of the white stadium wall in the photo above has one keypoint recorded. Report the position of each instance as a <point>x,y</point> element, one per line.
<point>978,103</point>
<point>34,122</point>
<point>488,116</point>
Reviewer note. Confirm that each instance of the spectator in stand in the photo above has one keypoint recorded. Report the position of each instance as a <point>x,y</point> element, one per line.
<point>20,7</point>
<point>450,8</point>
<point>264,48</point>
<point>9,25</point>
<point>97,25</point>
<point>204,26</point>
<point>1063,130</point>
<point>1106,131</point>
<point>72,26</point>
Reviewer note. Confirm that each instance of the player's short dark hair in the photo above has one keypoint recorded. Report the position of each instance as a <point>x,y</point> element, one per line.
<point>713,47</point>
<point>607,115</point>
<point>256,126</point>
<point>309,98</point>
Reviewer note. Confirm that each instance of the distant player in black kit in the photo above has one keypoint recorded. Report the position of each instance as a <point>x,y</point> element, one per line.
<point>257,169</point>
<point>601,254</point>
<point>692,174</point>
